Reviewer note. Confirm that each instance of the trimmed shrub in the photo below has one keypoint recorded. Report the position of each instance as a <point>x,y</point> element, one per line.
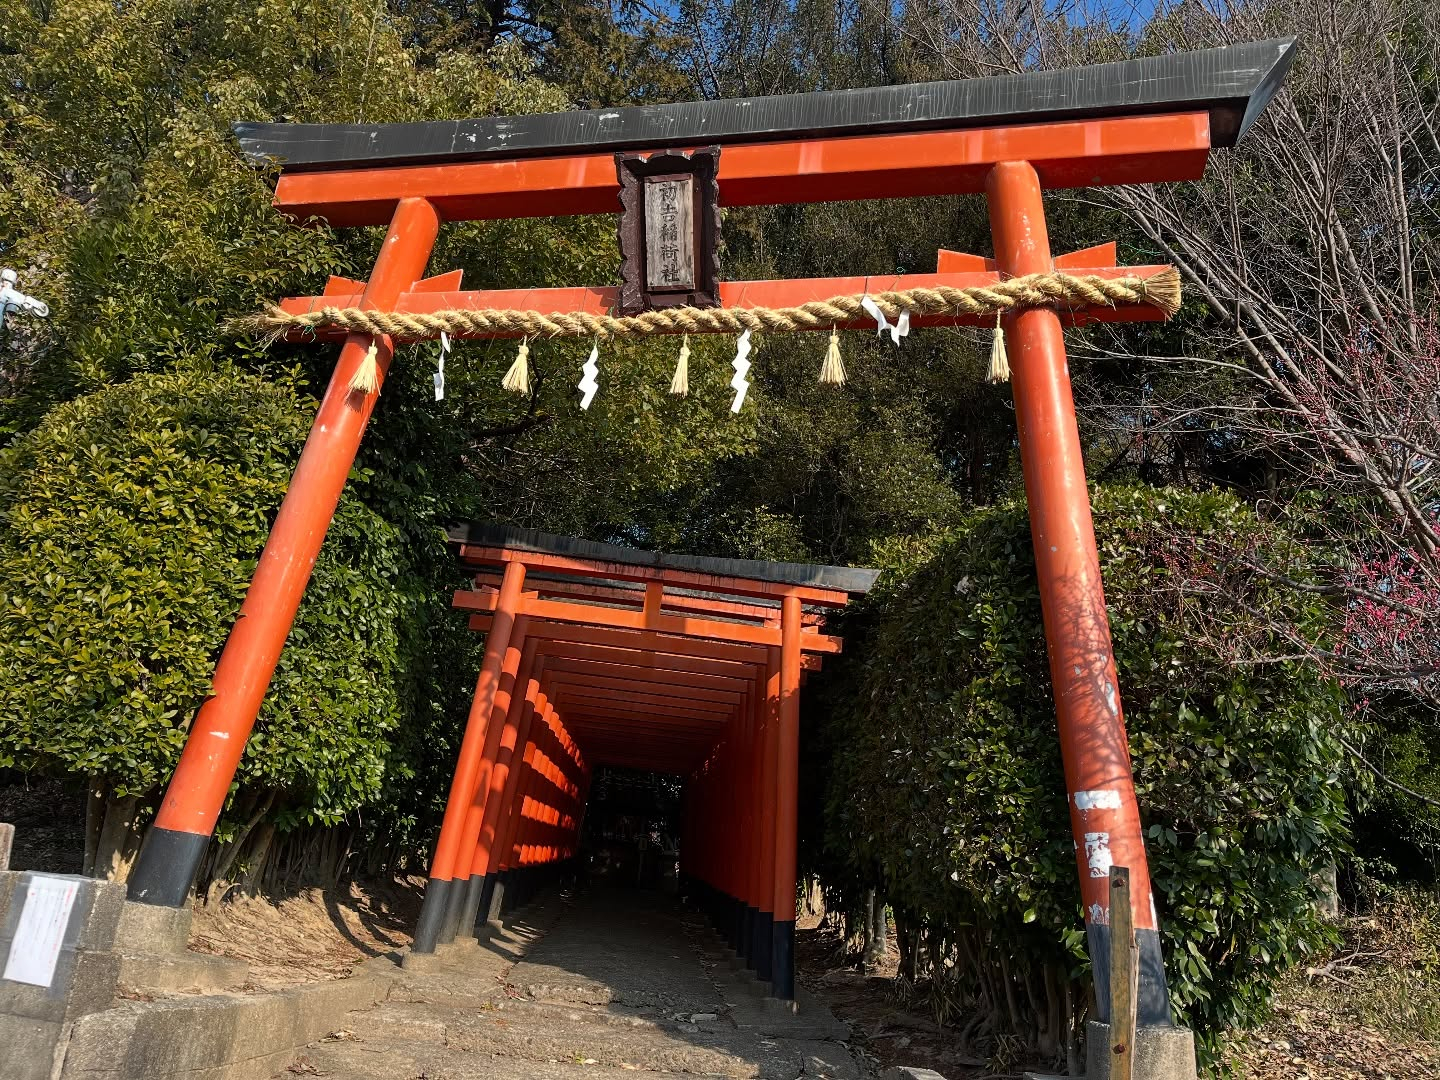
<point>131,520</point>
<point>944,783</point>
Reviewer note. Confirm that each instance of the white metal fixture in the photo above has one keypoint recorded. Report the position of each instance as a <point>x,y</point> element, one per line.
<point>12,299</point>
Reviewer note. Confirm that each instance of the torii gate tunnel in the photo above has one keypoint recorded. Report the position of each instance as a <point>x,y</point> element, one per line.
<point>1010,138</point>
<point>667,663</point>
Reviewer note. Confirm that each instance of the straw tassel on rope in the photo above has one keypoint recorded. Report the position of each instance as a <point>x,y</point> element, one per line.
<point>999,360</point>
<point>517,379</point>
<point>680,383</point>
<point>366,379</point>
<point>833,369</point>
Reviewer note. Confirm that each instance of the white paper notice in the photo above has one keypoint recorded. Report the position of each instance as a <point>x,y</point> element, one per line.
<point>41,931</point>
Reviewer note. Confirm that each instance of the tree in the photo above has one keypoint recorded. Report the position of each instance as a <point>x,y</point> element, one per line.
<point>1312,247</point>
<point>133,518</point>
<point>603,52</point>
<point>126,203</point>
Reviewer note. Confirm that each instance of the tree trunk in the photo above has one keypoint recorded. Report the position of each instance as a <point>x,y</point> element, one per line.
<point>1073,1065</point>
<point>116,845</point>
<point>1327,900</point>
<point>259,856</point>
<point>876,930</point>
<point>225,860</point>
<point>814,899</point>
<point>94,819</point>
<point>905,939</point>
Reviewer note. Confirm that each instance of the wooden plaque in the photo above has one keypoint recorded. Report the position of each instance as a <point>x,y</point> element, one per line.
<point>668,223</point>
<point>669,232</point>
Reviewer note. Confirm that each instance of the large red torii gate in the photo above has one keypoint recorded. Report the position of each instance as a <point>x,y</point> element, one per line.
<point>1142,121</point>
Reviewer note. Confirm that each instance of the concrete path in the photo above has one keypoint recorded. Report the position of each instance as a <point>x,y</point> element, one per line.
<point>594,986</point>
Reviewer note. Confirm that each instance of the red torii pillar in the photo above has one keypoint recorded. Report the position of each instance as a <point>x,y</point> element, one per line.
<point>472,770</point>
<point>516,731</point>
<point>175,844</point>
<point>1104,816</point>
<point>464,898</point>
<point>787,803</point>
<point>769,766</point>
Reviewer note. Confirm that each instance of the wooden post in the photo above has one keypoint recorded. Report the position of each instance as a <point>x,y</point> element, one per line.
<point>1124,963</point>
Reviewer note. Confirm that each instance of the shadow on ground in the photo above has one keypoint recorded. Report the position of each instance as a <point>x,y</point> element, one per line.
<point>605,980</point>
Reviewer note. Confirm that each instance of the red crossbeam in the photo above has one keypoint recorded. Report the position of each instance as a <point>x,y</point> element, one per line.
<point>561,636</point>
<point>622,619</point>
<point>1076,153</point>
<point>691,605</point>
<point>473,554</point>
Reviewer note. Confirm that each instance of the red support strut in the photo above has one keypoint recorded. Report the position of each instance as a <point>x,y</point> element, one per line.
<point>176,842</point>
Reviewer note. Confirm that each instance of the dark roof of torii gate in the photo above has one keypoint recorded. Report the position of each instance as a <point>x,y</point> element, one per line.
<point>1233,84</point>
<point>848,579</point>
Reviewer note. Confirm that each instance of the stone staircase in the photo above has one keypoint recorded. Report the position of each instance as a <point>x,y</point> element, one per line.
<point>587,988</point>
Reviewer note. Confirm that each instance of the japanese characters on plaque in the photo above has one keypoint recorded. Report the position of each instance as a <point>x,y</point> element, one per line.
<point>669,233</point>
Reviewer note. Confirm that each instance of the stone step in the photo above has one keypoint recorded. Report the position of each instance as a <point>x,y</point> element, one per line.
<point>150,929</point>
<point>356,1059</point>
<point>652,1044</point>
<point>181,973</point>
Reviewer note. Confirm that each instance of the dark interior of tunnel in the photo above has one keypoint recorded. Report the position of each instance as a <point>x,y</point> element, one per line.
<point>631,831</point>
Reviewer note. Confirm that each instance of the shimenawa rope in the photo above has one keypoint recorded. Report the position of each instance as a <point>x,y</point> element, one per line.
<point>1033,290</point>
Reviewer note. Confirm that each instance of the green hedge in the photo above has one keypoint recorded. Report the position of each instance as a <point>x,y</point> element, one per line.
<point>131,520</point>
<point>944,777</point>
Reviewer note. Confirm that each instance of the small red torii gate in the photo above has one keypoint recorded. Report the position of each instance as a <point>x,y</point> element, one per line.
<point>669,663</point>
<point>1010,138</point>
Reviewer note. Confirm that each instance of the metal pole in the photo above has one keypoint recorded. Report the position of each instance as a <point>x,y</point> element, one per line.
<point>175,843</point>
<point>1104,816</point>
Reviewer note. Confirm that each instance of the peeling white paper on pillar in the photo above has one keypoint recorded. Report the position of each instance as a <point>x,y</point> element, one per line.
<point>41,930</point>
<point>1102,799</point>
<point>1097,854</point>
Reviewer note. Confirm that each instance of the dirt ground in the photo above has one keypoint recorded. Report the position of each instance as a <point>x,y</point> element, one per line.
<point>309,937</point>
<point>1369,1011</point>
<point>1345,1022</point>
<point>1320,1043</point>
<point>887,1032</point>
<point>1358,1027</point>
